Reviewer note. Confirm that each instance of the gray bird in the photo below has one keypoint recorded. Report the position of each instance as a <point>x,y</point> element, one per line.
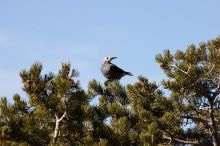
<point>111,71</point>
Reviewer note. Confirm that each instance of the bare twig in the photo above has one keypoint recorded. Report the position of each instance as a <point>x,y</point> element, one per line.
<point>180,140</point>
<point>209,71</point>
<point>56,131</point>
<point>189,69</point>
<point>184,72</point>
<point>179,69</point>
<point>63,116</point>
<point>204,108</point>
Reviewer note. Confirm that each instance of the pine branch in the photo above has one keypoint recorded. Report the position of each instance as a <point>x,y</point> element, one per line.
<point>197,120</point>
<point>209,71</point>
<point>61,118</point>
<point>184,72</point>
<point>172,139</point>
<point>56,131</point>
<point>179,140</point>
<point>204,108</point>
<point>218,86</point>
<point>213,126</point>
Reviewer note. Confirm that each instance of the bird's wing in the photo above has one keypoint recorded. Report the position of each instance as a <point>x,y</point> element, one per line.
<point>115,69</point>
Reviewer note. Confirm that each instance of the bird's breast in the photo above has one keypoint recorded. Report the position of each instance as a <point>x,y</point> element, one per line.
<point>105,69</point>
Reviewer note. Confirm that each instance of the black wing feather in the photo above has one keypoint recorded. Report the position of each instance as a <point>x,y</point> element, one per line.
<point>115,69</point>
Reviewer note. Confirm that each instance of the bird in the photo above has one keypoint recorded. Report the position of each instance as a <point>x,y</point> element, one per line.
<point>111,71</point>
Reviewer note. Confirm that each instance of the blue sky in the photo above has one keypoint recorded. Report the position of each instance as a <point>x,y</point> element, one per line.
<point>82,32</point>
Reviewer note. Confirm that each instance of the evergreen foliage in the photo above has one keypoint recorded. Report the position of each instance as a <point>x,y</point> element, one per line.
<point>194,82</point>
<point>58,111</point>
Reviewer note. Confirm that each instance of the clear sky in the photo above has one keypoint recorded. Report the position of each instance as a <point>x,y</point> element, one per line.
<point>82,32</point>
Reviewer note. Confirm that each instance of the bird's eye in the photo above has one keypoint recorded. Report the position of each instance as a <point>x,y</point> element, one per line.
<point>107,57</point>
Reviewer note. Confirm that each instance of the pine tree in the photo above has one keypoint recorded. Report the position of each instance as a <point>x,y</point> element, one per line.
<point>55,114</point>
<point>57,111</point>
<point>151,114</point>
<point>112,101</point>
<point>19,125</point>
<point>139,114</point>
<point>193,79</point>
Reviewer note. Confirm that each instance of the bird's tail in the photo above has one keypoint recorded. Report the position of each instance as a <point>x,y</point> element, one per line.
<point>129,73</point>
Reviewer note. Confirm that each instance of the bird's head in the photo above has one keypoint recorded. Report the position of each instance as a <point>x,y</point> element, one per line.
<point>108,59</point>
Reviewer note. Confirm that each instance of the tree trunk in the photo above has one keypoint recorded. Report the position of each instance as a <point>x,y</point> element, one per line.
<point>56,131</point>
<point>213,128</point>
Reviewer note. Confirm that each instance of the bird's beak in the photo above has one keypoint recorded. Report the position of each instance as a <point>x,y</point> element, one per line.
<point>113,58</point>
